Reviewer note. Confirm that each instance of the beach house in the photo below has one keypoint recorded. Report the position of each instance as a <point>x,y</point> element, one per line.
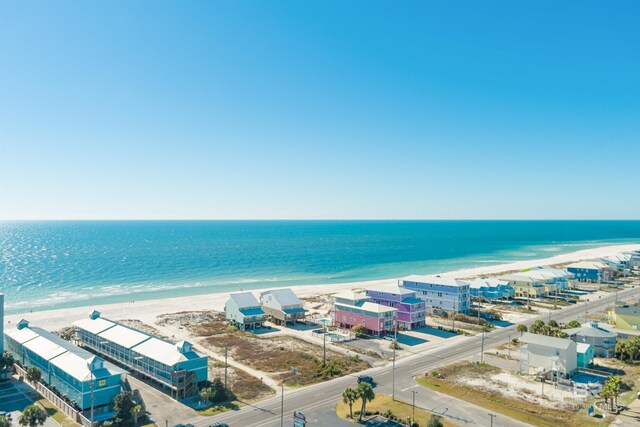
<point>585,355</point>
<point>244,311</point>
<point>525,286</point>
<point>589,271</point>
<point>282,306</point>
<point>626,317</point>
<point>602,340</point>
<point>619,261</point>
<point>411,310</point>
<point>74,372</point>
<point>352,308</point>
<point>554,357</point>
<point>175,367</point>
<point>440,294</point>
<point>490,289</point>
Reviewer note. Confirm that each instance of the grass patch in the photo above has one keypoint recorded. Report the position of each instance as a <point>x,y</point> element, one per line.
<point>385,406</point>
<point>277,355</point>
<point>528,412</point>
<point>219,408</point>
<point>59,416</point>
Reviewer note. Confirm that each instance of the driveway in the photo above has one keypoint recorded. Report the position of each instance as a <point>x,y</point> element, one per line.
<point>163,409</point>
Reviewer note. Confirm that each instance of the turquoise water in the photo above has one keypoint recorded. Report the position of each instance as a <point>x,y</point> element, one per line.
<point>54,264</point>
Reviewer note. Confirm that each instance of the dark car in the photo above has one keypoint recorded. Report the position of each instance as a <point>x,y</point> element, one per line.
<point>365,379</point>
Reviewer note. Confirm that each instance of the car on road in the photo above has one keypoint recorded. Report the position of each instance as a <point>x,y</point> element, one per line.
<point>365,379</point>
<point>219,425</point>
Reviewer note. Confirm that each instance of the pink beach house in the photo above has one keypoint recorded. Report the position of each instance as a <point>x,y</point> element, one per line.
<point>352,308</point>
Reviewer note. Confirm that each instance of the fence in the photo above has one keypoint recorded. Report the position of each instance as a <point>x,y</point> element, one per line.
<point>57,401</point>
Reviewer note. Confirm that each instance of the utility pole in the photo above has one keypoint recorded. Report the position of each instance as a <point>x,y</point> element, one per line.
<point>492,416</point>
<point>509,347</point>
<point>482,349</point>
<point>549,317</point>
<point>393,368</point>
<point>226,351</point>
<point>478,311</point>
<point>414,402</point>
<point>282,405</point>
<point>324,344</point>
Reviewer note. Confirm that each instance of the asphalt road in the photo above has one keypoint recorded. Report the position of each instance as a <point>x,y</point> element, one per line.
<point>318,401</point>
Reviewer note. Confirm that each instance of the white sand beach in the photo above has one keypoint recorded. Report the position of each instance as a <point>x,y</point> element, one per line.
<point>147,311</point>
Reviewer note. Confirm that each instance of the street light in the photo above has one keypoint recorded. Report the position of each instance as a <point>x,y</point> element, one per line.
<point>492,416</point>
<point>393,368</point>
<point>414,402</point>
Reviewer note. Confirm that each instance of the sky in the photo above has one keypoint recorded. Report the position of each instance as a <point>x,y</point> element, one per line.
<point>319,110</point>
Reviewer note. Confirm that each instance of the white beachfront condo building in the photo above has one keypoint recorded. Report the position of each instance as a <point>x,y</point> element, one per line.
<point>175,366</point>
<point>439,293</point>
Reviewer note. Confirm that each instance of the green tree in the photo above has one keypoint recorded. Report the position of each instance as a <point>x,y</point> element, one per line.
<point>349,395</point>
<point>135,412</point>
<point>537,327</point>
<point>123,405</point>
<point>6,360</point>
<point>215,393</point>
<point>553,324</point>
<point>33,374</point>
<point>366,394</point>
<point>32,416</point>
<point>573,324</point>
<point>522,328</point>
<point>359,330</point>
<point>435,421</point>
<point>5,421</point>
<point>622,350</point>
<point>561,334</point>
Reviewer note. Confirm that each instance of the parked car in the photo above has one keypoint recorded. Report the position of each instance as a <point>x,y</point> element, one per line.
<point>365,379</point>
<point>219,425</point>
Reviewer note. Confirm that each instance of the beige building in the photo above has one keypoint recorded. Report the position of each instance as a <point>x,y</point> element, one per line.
<point>555,357</point>
<point>526,286</point>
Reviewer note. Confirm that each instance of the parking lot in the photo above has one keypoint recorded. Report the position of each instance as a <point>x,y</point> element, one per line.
<point>15,396</point>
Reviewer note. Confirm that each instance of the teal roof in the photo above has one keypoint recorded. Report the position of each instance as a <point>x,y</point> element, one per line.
<point>252,312</point>
<point>411,300</point>
<point>295,310</point>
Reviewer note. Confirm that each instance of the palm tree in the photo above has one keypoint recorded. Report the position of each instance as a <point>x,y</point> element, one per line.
<point>33,374</point>
<point>136,412</point>
<point>366,393</point>
<point>622,349</point>
<point>536,327</point>
<point>32,416</point>
<point>349,395</point>
<point>522,329</point>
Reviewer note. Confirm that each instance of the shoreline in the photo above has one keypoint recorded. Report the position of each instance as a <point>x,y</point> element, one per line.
<point>147,310</point>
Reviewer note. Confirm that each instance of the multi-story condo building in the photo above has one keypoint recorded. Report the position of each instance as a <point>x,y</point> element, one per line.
<point>74,372</point>
<point>351,309</point>
<point>176,367</point>
<point>490,289</point>
<point>411,310</point>
<point>588,271</point>
<point>440,293</point>
<point>526,286</point>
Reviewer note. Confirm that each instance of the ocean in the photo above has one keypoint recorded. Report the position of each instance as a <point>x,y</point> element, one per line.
<point>56,264</point>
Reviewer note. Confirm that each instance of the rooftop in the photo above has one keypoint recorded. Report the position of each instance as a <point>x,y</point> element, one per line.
<point>393,289</point>
<point>434,279</point>
<point>126,337</point>
<point>546,341</point>
<point>164,352</point>
<point>587,265</point>
<point>95,326</point>
<point>350,295</point>
<point>591,330</point>
<point>377,308</point>
<point>490,282</point>
<point>284,297</point>
<point>582,347</point>
<point>245,300</point>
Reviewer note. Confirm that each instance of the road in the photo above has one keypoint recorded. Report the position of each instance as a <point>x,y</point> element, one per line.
<point>315,400</point>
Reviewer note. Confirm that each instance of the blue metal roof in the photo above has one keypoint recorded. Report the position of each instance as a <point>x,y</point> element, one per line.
<point>252,311</point>
<point>411,300</point>
<point>295,310</point>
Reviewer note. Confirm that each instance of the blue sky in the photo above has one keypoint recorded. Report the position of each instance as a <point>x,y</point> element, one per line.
<point>328,109</point>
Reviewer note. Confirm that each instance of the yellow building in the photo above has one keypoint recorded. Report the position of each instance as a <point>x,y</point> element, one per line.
<point>524,285</point>
<point>626,317</point>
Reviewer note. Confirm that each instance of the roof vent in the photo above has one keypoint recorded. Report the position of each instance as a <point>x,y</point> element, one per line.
<point>23,324</point>
<point>94,315</point>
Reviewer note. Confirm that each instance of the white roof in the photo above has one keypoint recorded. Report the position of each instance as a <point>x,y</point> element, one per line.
<point>350,295</point>
<point>163,351</point>
<point>245,300</point>
<point>377,308</point>
<point>284,297</point>
<point>546,341</point>
<point>520,277</point>
<point>582,347</point>
<point>95,326</point>
<point>44,348</point>
<point>392,289</point>
<point>126,337</point>
<point>490,282</point>
<point>434,279</point>
<point>587,265</point>
<point>21,336</point>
